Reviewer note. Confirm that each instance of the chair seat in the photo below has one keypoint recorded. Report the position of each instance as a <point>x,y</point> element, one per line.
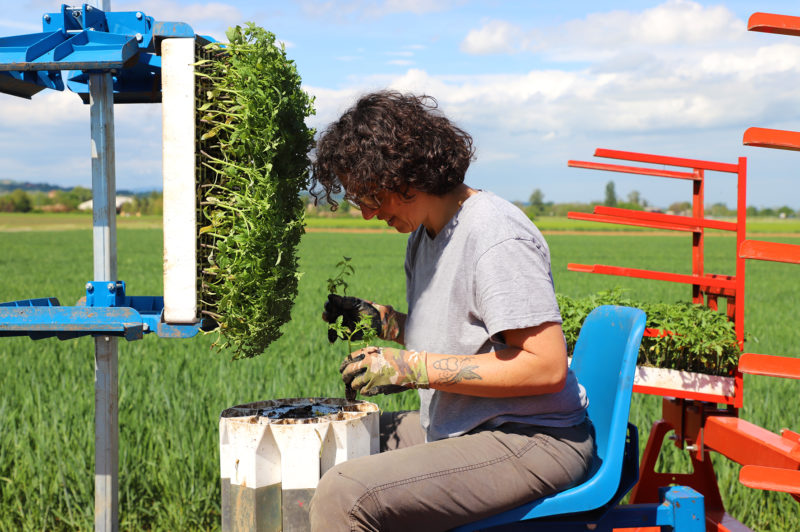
<point>604,361</point>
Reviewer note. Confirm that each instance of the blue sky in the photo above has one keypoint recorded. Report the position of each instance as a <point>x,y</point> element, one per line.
<point>535,82</point>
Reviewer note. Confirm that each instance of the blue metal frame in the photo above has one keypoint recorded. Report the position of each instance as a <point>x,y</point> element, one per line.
<point>681,508</point>
<point>107,311</point>
<point>86,40</point>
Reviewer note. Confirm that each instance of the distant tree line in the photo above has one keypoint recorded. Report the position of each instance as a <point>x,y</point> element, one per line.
<point>149,203</point>
<point>68,200</point>
<point>537,206</point>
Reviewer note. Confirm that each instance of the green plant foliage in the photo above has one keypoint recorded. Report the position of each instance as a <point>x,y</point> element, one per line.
<point>368,335</point>
<point>697,338</point>
<point>171,392</point>
<point>254,146</point>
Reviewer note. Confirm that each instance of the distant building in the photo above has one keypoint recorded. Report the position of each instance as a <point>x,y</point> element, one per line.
<point>121,200</point>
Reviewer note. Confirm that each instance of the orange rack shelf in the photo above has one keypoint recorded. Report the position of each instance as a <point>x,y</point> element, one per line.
<point>655,172</point>
<point>770,251</point>
<point>771,138</point>
<point>770,478</point>
<point>770,365</point>
<point>771,23</point>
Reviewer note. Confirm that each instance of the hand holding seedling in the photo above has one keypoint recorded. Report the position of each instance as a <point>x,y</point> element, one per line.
<point>381,318</point>
<point>351,310</point>
<point>385,370</point>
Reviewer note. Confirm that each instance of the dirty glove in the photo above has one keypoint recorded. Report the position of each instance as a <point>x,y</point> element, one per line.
<point>386,370</point>
<point>351,309</point>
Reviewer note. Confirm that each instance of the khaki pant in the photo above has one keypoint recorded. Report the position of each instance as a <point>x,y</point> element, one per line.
<point>416,486</point>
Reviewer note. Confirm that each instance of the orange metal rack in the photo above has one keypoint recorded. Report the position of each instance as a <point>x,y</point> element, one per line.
<point>771,461</point>
<point>707,288</point>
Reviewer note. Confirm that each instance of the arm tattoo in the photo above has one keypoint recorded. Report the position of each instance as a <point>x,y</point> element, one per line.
<point>456,369</point>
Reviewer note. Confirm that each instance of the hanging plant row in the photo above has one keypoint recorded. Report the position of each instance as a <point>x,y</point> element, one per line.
<point>253,162</point>
<point>696,338</point>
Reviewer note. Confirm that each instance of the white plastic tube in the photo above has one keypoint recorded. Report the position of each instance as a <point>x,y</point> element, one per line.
<point>178,126</point>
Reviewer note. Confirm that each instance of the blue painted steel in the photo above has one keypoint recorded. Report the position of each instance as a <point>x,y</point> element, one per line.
<point>682,508</point>
<point>85,50</point>
<point>38,302</point>
<point>139,83</point>
<point>604,360</point>
<point>26,84</point>
<point>86,39</point>
<point>106,310</point>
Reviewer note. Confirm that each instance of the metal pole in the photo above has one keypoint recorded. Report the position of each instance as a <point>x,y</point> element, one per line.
<point>106,439</point>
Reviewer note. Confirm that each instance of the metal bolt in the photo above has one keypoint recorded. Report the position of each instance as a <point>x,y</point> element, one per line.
<point>111,287</point>
<point>89,287</point>
<point>88,8</point>
<point>76,14</point>
<point>138,37</point>
<point>138,15</point>
<point>47,18</point>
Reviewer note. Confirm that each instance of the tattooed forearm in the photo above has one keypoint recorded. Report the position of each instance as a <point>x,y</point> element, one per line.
<point>455,369</point>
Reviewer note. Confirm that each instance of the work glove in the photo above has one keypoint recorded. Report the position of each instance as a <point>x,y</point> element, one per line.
<point>386,370</point>
<point>352,308</point>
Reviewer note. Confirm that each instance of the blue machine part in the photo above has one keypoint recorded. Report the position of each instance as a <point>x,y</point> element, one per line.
<point>26,84</point>
<point>86,39</point>
<point>107,311</point>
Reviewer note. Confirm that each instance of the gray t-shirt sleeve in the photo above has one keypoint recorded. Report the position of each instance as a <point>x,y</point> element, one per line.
<point>514,288</point>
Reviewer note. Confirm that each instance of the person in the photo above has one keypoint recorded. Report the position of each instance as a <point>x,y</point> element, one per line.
<point>502,419</point>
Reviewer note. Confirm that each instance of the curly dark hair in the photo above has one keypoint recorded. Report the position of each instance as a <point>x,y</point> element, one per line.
<point>390,141</point>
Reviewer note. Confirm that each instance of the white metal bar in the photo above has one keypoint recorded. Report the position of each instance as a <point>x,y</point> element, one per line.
<point>106,479</point>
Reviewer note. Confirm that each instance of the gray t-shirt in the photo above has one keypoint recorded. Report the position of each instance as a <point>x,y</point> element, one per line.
<point>486,271</point>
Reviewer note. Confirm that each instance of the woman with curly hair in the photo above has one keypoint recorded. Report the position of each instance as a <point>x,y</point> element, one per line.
<point>502,419</point>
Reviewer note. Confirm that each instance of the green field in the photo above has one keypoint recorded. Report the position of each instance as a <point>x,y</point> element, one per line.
<point>171,392</point>
<point>15,222</point>
<point>789,226</point>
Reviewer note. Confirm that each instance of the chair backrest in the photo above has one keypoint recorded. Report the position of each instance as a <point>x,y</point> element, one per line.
<point>604,361</point>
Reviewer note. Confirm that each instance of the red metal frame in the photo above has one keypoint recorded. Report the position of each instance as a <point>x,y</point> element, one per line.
<point>706,288</point>
<point>699,424</point>
<point>771,461</point>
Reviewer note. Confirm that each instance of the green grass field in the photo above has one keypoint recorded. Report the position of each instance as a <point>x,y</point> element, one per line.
<point>171,392</point>
<point>14,222</point>
<point>789,226</point>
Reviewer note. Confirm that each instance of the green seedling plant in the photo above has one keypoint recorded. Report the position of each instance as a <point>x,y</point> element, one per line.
<point>363,329</point>
<point>694,338</point>
<point>253,166</point>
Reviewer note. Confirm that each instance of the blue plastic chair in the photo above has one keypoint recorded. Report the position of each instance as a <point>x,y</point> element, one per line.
<point>604,360</point>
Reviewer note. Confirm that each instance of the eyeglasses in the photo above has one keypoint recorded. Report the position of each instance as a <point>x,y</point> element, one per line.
<point>371,203</point>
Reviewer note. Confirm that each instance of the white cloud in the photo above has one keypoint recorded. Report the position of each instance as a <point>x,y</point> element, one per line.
<point>680,23</point>
<point>494,37</point>
<point>341,9</point>
<point>205,18</point>
<point>675,22</point>
<point>171,10</point>
<point>415,6</point>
